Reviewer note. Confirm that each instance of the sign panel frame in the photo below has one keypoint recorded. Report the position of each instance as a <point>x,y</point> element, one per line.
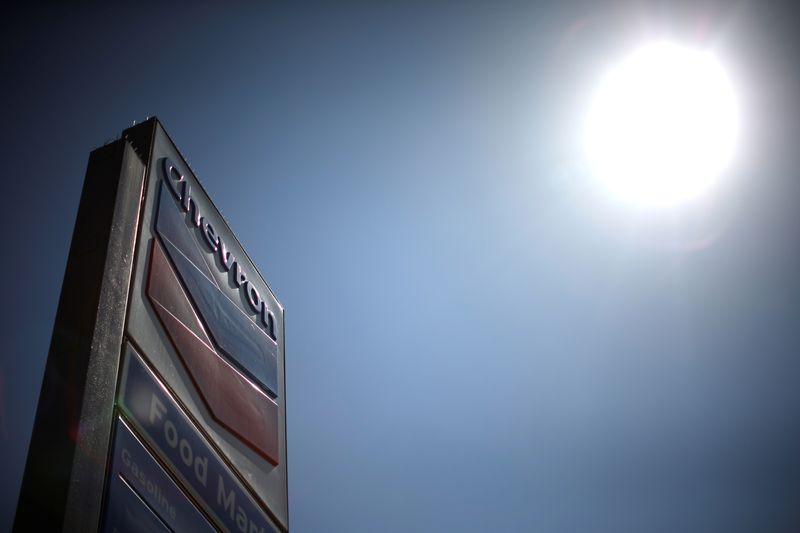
<point>154,269</point>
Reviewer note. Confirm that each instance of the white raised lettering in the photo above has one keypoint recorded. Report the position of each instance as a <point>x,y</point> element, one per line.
<point>186,452</point>
<point>241,520</point>
<point>201,470</point>
<point>226,499</point>
<point>171,433</point>
<point>157,409</point>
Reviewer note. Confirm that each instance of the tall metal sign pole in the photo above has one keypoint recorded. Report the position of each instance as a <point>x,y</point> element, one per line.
<point>163,406</point>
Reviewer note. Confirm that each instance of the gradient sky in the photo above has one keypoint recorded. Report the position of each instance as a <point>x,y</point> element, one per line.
<point>478,339</point>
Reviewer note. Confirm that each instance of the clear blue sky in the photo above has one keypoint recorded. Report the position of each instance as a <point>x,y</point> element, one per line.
<point>476,339</point>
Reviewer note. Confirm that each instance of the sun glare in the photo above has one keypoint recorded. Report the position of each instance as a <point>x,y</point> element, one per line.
<point>662,125</point>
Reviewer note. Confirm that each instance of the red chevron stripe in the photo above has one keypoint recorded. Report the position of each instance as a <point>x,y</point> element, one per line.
<point>233,401</point>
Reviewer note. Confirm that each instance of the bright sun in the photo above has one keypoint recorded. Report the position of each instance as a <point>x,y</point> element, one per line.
<point>662,125</point>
